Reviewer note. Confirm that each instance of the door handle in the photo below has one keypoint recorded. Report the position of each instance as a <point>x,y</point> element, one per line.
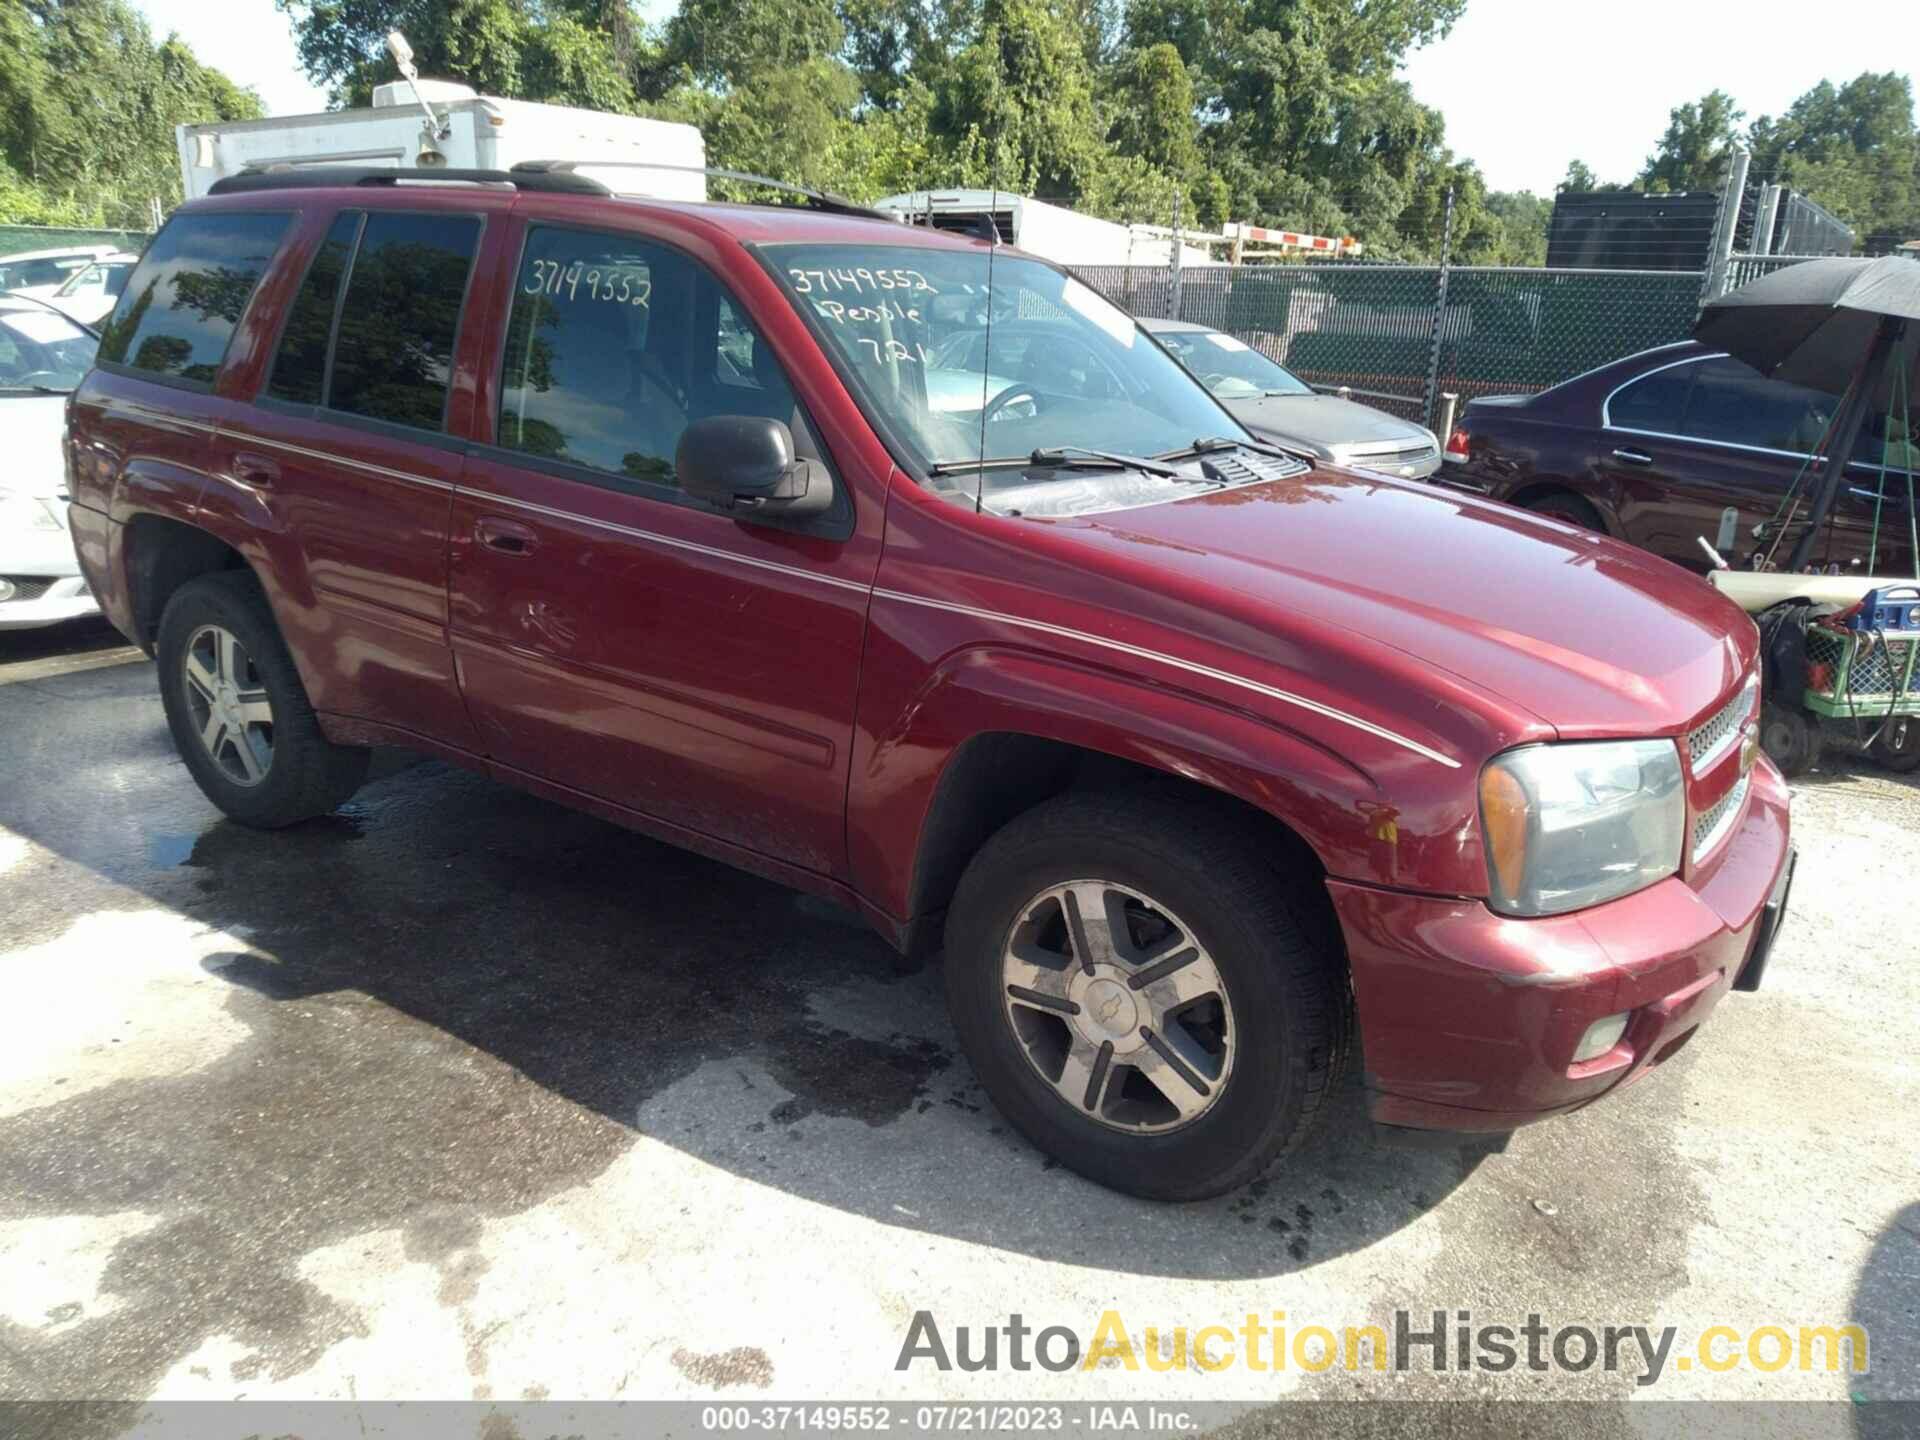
<point>1633,457</point>
<point>505,536</point>
<point>252,469</point>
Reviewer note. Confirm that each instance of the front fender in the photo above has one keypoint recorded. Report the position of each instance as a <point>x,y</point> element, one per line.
<point>1335,806</point>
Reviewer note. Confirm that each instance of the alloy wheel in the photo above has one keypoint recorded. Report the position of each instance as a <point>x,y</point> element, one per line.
<point>228,701</point>
<point>1118,1006</point>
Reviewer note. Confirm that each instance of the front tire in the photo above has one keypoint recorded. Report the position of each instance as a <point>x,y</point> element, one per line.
<point>239,715</point>
<point>1143,995</point>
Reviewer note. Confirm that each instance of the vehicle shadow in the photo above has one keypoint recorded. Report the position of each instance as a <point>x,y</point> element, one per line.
<point>640,989</point>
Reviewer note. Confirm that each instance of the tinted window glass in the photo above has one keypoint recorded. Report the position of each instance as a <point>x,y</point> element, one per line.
<point>615,344</point>
<point>1889,440</point>
<point>299,369</point>
<point>1733,403</point>
<point>183,302</point>
<point>1655,402</point>
<point>400,316</point>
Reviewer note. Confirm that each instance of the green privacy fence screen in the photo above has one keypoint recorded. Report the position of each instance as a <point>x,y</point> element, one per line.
<point>17,238</point>
<point>1373,327</point>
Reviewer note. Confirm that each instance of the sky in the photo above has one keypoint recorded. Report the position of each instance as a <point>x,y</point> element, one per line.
<point>1525,85</point>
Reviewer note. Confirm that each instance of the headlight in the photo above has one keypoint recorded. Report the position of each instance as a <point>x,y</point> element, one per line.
<point>24,512</point>
<point>1570,825</point>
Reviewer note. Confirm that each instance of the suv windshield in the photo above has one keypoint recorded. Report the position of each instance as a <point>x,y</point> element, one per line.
<point>1044,361</point>
<point>40,351</point>
<point>1230,368</point>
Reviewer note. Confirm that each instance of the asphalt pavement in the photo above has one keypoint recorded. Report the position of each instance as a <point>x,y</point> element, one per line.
<point>458,1094</point>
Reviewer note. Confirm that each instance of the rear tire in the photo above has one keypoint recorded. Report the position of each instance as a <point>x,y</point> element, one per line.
<point>1268,1020</point>
<point>239,715</point>
<point>1570,508</point>
<point>1902,756</point>
<point>1791,737</point>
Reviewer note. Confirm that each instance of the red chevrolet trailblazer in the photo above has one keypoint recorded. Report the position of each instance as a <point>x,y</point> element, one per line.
<point>907,570</point>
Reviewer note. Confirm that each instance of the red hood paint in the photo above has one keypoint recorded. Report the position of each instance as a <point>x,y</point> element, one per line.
<point>1593,637</point>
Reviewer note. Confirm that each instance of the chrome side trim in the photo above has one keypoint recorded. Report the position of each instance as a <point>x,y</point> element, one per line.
<point>1284,696</point>
<point>1606,405</point>
<point>711,552</point>
<point>1606,418</point>
<point>327,457</point>
<point>146,414</point>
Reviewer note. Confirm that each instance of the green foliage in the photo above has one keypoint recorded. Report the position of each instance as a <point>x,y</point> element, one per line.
<point>88,102</point>
<point>1281,112</point>
<point>1699,143</point>
<point>1854,149</point>
<point>572,52</point>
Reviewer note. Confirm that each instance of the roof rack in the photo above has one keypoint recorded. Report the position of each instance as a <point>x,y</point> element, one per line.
<point>315,177</point>
<point>819,199</point>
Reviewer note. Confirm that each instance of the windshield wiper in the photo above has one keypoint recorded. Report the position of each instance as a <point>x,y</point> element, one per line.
<point>1065,457</point>
<point>1075,457</point>
<point>1213,444</point>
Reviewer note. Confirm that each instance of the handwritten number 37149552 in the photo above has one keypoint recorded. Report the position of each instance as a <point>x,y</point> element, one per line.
<point>579,281</point>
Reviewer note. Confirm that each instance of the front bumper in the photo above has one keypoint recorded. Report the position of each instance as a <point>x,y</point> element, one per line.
<point>1469,1020</point>
<point>42,600</point>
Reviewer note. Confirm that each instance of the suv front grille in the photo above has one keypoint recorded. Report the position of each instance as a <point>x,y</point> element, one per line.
<point>1713,823</point>
<point>1707,741</point>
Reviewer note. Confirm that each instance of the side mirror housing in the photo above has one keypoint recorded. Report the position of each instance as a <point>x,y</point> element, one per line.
<point>746,464</point>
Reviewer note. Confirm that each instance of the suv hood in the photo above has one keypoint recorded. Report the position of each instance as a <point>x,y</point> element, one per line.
<point>1591,636</point>
<point>1324,421</point>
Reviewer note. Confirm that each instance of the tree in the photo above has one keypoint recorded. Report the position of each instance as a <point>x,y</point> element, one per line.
<point>1018,104</point>
<point>1854,149</point>
<point>1151,99</point>
<point>1695,151</point>
<point>579,52</point>
<point>88,104</point>
<point>722,42</point>
<point>1524,217</point>
<point>1579,178</point>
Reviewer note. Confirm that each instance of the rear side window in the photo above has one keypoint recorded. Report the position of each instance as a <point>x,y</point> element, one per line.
<point>179,310</point>
<point>1654,402</point>
<point>394,351</point>
<point>1733,403</point>
<point>615,345</point>
<point>300,368</point>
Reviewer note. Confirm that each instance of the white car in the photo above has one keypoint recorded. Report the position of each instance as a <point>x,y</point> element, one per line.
<point>90,295</point>
<point>41,272</point>
<point>43,356</point>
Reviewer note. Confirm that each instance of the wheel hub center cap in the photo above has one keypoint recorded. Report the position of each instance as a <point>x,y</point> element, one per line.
<point>1111,1008</point>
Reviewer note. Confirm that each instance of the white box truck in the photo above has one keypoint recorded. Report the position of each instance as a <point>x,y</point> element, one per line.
<point>1052,232</point>
<point>466,131</point>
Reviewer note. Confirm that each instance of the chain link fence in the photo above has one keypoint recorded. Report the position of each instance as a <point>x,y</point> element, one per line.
<point>16,239</point>
<point>1382,332</point>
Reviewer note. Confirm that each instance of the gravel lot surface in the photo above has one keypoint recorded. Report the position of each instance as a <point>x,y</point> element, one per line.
<point>461,1095</point>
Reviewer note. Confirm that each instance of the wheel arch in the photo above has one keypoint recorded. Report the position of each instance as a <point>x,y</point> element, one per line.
<point>1602,505</point>
<point>1003,732</point>
<point>160,554</point>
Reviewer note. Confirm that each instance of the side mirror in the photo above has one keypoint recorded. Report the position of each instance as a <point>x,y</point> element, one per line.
<point>745,463</point>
